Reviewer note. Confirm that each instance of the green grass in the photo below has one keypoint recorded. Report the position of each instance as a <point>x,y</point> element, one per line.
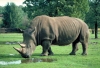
<point>10,37</point>
<point>92,60</point>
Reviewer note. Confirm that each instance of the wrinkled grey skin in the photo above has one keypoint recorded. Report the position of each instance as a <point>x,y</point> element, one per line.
<point>45,30</point>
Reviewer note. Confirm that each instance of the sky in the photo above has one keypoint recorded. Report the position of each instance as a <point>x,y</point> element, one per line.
<point>17,2</point>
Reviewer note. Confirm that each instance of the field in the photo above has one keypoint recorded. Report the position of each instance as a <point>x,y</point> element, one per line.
<point>9,58</point>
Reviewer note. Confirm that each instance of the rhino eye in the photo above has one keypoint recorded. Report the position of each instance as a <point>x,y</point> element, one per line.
<point>29,46</point>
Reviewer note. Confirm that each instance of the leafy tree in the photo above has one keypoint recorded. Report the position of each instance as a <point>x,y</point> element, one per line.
<point>93,17</point>
<point>13,16</point>
<point>76,8</point>
<point>1,9</point>
<point>6,14</point>
<point>24,21</point>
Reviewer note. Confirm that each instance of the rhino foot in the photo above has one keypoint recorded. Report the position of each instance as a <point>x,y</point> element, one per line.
<point>50,54</point>
<point>43,54</point>
<point>72,53</point>
<point>84,53</point>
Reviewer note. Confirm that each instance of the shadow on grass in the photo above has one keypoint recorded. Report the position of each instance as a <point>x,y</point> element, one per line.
<point>38,54</point>
<point>2,56</point>
<point>61,55</point>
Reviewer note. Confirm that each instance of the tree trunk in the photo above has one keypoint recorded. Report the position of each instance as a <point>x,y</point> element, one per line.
<point>92,31</point>
<point>96,30</point>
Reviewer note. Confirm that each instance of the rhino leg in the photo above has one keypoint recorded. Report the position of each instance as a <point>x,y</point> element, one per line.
<point>74,48</point>
<point>46,48</point>
<point>84,46</point>
<point>50,51</point>
<point>84,43</point>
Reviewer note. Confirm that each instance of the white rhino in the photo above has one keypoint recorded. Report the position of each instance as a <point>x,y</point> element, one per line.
<point>45,30</point>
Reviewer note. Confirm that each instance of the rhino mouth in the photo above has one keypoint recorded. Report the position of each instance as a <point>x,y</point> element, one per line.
<point>22,54</point>
<point>25,56</point>
<point>20,50</point>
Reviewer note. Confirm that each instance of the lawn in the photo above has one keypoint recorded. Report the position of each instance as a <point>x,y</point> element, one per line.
<point>60,59</point>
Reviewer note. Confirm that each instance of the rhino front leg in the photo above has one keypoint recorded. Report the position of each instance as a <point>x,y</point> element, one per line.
<point>46,48</point>
<point>50,51</point>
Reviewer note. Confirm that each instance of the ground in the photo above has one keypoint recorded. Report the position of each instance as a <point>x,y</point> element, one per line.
<point>61,58</point>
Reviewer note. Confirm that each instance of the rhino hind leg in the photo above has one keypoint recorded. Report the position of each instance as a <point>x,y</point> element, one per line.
<point>74,48</point>
<point>84,46</point>
<point>84,42</point>
<point>46,48</point>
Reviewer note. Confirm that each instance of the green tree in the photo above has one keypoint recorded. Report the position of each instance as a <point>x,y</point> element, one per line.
<point>76,8</point>
<point>13,16</point>
<point>6,14</point>
<point>24,21</point>
<point>1,15</point>
<point>1,9</point>
<point>93,16</point>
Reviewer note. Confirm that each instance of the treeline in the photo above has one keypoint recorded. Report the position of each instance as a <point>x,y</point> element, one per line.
<point>19,16</point>
<point>75,8</point>
<point>13,16</point>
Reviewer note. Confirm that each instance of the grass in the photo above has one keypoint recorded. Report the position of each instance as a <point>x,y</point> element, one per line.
<point>92,60</point>
<point>10,37</point>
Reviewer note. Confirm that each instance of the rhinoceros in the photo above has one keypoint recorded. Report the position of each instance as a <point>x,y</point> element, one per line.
<point>45,30</point>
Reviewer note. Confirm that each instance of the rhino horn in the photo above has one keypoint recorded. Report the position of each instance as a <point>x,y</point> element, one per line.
<point>17,49</point>
<point>22,45</point>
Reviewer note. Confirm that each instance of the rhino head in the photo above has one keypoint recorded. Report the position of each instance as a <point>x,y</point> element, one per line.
<point>29,43</point>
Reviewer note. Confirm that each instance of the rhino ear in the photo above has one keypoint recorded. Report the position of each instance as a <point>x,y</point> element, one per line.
<point>33,30</point>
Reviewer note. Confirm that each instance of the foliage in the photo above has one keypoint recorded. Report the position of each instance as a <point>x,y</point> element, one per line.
<point>78,8</point>
<point>93,17</point>
<point>24,19</point>
<point>1,9</point>
<point>75,8</point>
<point>1,23</point>
<point>13,16</point>
<point>94,13</point>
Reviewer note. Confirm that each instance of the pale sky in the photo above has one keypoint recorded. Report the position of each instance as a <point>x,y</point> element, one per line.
<point>17,2</point>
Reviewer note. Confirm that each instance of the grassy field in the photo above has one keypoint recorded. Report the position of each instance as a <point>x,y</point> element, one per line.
<point>62,60</point>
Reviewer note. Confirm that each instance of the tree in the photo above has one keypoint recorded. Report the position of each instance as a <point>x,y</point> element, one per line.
<point>6,14</point>
<point>13,16</point>
<point>24,20</point>
<point>93,17</point>
<point>76,8</point>
<point>1,15</point>
<point>1,9</point>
